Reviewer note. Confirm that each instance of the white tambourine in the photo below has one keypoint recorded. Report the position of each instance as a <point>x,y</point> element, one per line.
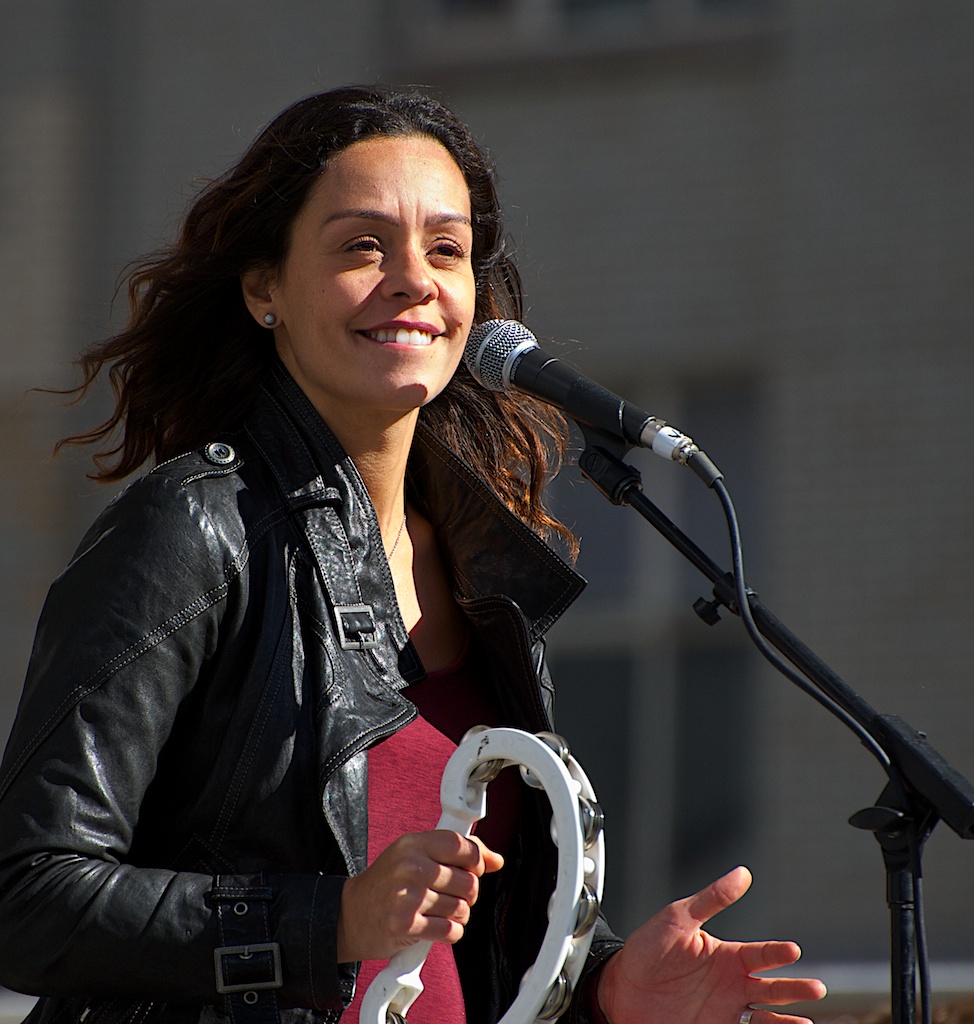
<point>576,829</point>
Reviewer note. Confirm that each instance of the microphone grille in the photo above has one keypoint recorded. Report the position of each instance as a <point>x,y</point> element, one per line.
<point>492,349</point>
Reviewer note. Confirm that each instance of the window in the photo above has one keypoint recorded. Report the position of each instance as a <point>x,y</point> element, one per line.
<point>475,6</point>
<point>714,725</point>
<point>661,710</point>
<point>459,35</point>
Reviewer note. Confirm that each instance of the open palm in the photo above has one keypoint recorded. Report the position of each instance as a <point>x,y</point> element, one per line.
<point>671,971</point>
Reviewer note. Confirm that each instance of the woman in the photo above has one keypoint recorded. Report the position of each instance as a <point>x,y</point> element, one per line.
<point>218,749</point>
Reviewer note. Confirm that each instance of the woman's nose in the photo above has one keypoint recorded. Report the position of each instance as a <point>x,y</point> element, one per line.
<point>409,275</point>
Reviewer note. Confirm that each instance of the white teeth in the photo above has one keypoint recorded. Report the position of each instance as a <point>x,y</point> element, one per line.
<point>402,337</point>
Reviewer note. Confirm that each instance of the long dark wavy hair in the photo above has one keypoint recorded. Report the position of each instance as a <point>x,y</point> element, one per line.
<point>189,362</point>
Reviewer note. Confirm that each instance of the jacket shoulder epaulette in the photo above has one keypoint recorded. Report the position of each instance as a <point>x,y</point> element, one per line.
<point>214,459</point>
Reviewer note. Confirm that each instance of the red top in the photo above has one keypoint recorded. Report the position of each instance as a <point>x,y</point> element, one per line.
<point>404,796</point>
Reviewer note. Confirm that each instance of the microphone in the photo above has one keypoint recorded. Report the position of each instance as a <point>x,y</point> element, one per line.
<point>503,355</point>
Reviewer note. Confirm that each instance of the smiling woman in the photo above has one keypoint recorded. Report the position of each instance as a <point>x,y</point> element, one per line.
<point>174,393</point>
<point>220,793</point>
<point>375,299</point>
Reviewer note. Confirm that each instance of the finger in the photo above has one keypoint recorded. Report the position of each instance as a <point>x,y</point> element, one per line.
<point>453,882</point>
<point>718,896</point>
<point>441,861</point>
<point>782,991</point>
<point>409,876</point>
<point>435,918</point>
<point>493,861</point>
<point>449,907</point>
<point>437,929</point>
<point>765,956</point>
<point>456,850</point>
<point>443,919</point>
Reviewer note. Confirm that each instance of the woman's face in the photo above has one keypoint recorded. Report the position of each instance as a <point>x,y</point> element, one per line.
<point>376,295</point>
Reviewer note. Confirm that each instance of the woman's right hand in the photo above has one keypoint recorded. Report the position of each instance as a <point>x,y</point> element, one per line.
<point>421,887</point>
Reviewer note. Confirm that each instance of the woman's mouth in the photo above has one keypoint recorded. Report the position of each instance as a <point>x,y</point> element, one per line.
<point>400,336</point>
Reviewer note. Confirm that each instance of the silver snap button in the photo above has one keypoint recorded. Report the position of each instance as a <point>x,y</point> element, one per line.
<point>219,453</point>
<point>250,998</point>
<point>240,909</point>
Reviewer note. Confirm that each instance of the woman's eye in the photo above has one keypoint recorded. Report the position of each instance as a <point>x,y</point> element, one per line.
<point>448,250</point>
<point>365,245</point>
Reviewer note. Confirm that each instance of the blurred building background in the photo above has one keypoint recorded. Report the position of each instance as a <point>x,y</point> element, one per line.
<point>755,219</point>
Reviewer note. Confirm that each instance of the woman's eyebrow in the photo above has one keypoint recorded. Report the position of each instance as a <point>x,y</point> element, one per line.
<point>446,217</point>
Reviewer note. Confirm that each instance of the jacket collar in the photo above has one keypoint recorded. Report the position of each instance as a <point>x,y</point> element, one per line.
<point>489,551</point>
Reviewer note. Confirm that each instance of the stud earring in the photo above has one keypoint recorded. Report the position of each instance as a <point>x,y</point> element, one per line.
<point>270,319</point>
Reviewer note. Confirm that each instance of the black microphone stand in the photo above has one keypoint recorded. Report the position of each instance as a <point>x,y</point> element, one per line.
<point>922,789</point>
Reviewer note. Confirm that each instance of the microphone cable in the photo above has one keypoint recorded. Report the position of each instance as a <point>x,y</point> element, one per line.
<point>799,679</point>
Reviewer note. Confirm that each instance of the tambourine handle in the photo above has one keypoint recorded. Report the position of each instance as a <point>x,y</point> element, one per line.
<point>397,986</point>
<point>546,987</point>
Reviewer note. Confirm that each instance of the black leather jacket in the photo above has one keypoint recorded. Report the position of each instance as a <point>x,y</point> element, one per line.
<point>187,770</point>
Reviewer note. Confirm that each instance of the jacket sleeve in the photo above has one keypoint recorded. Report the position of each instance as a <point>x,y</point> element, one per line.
<point>584,1008</point>
<point>125,635</point>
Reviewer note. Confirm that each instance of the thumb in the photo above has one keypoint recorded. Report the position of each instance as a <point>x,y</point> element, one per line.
<point>718,896</point>
<point>493,861</point>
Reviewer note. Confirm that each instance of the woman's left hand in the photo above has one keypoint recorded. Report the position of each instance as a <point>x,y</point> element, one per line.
<point>671,971</point>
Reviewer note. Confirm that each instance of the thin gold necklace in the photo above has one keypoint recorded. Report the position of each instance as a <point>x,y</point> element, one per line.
<point>402,527</point>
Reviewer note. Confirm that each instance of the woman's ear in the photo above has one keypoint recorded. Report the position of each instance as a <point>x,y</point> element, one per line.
<point>258,292</point>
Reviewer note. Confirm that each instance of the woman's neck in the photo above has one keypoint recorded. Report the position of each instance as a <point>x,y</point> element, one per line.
<point>380,454</point>
<point>423,588</point>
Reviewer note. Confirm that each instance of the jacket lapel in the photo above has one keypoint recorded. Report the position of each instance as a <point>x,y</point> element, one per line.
<point>490,551</point>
